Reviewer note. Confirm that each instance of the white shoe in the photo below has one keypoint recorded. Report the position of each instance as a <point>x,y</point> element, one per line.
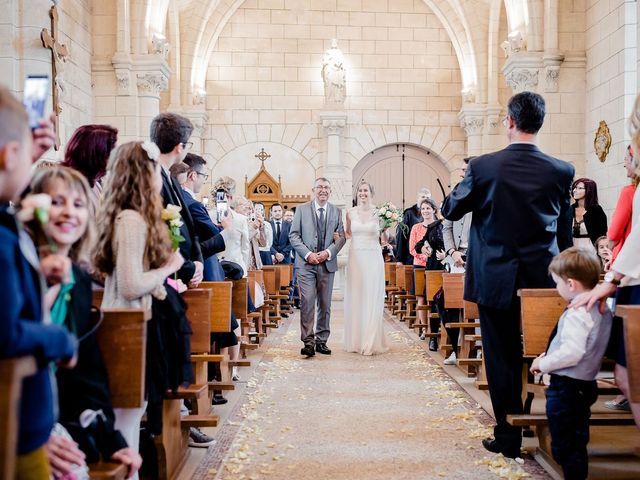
<point>451,360</point>
<point>234,374</point>
<point>479,354</point>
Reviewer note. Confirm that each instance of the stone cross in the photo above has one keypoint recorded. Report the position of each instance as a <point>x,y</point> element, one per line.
<point>262,156</point>
<point>59,55</point>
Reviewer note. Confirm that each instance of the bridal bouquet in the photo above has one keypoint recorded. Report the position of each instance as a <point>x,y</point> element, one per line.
<point>390,216</point>
<point>171,215</point>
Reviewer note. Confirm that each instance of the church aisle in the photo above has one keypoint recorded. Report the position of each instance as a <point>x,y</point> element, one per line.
<point>344,416</point>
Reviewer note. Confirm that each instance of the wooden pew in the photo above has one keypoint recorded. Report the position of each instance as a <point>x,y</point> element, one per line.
<point>415,277</point>
<point>390,282</point>
<point>272,285</point>
<point>122,339</point>
<point>402,294</point>
<point>257,318</point>
<point>453,286</point>
<point>630,315</point>
<point>433,283</point>
<point>12,372</point>
<point>240,306</point>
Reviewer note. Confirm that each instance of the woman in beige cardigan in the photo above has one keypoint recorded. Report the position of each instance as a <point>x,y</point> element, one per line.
<point>133,249</point>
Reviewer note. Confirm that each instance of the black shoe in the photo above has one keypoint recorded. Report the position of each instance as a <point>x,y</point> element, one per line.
<point>284,315</point>
<point>433,344</point>
<point>308,351</point>
<point>322,348</point>
<point>493,446</point>
<point>218,400</point>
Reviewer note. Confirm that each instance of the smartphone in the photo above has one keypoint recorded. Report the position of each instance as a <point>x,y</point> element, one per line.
<point>205,201</point>
<point>221,204</point>
<point>36,91</point>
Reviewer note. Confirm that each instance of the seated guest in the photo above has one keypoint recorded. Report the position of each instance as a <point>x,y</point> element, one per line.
<point>410,217</point>
<point>171,133</point>
<point>85,388</point>
<point>288,215</point>
<point>265,251</point>
<point>179,172</point>
<point>133,247</point>
<point>210,236</point>
<point>281,248</point>
<point>573,359</point>
<point>25,331</point>
<point>589,220</point>
<point>424,255</point>
<point>88,152</point>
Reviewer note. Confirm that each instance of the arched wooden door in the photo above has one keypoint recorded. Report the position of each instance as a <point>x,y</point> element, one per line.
<point>398,171</point>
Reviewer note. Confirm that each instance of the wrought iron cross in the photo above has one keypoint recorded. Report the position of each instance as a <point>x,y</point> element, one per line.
<point>262,156</point>
<point>59,54</point>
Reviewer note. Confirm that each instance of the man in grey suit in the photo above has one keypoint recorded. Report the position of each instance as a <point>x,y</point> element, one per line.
<point>312,238</point>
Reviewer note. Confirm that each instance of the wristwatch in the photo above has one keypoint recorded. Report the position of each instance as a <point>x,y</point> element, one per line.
<point>609,277</point>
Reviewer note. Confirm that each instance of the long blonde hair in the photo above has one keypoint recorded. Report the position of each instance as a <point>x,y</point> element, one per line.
<point>634,130</point>
<point>73,180</point>
<point>130,185</point>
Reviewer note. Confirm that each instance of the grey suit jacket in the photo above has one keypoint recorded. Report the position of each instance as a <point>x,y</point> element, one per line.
<point>304,234</point>
<point>456,234</point>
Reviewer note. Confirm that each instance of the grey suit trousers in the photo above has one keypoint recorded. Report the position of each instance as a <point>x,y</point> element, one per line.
<point>315,283</point>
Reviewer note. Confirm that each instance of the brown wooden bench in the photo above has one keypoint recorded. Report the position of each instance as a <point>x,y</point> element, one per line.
<point>12,372</point>
<point>630,315</point>
<point>433,283</point>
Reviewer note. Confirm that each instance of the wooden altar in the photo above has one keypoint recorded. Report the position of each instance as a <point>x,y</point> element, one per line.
<point>264,188</point>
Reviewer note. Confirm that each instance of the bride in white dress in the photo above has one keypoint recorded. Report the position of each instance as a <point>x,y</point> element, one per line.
<point>364,292</point>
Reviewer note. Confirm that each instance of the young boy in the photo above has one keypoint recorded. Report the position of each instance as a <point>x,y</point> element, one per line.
<point>573,359</point>
<point>21,321</point>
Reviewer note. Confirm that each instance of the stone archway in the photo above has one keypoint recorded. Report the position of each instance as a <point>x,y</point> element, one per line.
<point>398,170</point>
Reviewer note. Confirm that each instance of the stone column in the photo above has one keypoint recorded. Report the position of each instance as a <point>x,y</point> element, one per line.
<point>152,77</point>
<point>339,175</point>
<point>472,120</point>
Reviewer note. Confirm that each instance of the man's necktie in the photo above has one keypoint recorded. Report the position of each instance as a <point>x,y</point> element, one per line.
<point>321,229</point>
<point>278,230</point>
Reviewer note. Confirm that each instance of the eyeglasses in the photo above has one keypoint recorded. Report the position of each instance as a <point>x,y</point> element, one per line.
<point>319,187</point>
<point>579,188</point>
<point>205,175</point>
<point>187,145</point>
<point>505,121</point>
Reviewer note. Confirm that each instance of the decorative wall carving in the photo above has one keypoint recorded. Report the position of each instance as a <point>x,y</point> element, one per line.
<point>602,141</point>
<point>151,84</point>
<point>521,79</point>
<point>472,125</point>
<point>334,126</point>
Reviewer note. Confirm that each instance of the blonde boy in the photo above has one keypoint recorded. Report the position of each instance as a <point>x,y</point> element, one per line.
<point>573,359</point>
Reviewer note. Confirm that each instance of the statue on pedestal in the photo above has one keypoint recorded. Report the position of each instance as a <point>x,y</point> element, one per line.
<point>334,75</point>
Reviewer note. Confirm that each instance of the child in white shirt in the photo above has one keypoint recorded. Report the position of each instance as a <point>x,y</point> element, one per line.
<point>573,359</point>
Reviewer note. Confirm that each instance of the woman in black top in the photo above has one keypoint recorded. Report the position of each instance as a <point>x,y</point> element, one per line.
<point>83,392</point>
<point>589,220</point>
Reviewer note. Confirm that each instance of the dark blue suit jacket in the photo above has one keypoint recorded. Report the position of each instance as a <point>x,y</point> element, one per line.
<point>281,244</point>
<point>23,333</point>
<point>519,197</point>
<point>190,246</point>
<point>211,241</point>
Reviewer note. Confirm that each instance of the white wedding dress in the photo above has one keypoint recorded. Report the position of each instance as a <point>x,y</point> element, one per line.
<point>364,291</point>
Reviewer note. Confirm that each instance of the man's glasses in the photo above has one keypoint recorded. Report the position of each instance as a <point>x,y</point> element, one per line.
<point>505,121</point>
<point>322,188</point>
<point>187,145</point>
<point>205,175</point>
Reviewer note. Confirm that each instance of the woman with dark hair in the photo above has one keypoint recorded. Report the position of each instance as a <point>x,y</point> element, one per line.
<point>88,151</point>
<point>589,220</point>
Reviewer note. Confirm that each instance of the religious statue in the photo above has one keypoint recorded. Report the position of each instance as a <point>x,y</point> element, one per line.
<point>334,75</point>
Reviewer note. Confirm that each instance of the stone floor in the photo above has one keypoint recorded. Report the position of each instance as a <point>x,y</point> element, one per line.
<point>394,416</point>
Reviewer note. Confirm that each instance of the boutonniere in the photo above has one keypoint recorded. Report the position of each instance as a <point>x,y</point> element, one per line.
<point>34,210</point>
<point>171,215</point>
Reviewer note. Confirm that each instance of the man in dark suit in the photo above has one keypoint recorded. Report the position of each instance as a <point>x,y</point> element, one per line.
<point>171,132</point>
<point>517,196</point>
<point>211,236</point>
<point>281,247</point>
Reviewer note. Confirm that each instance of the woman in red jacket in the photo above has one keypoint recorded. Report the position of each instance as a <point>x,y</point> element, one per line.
<point>621,221</point>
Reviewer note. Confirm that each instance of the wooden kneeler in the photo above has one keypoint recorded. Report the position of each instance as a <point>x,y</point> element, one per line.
<point>12,372</point>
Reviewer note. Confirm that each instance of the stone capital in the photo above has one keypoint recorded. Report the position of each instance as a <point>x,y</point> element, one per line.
<point>472,119</point>
<point>521,71</point>
<point>333,122</point>
<point>150,84</point>
<point>552,71</point>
